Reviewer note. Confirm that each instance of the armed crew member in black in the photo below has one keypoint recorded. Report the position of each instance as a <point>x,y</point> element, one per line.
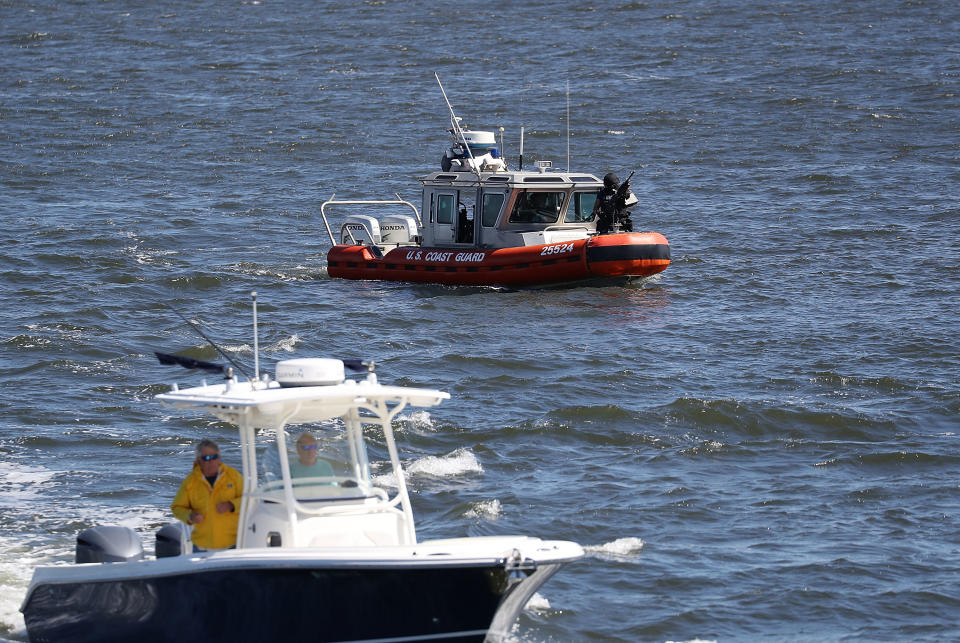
<point>611,207</point>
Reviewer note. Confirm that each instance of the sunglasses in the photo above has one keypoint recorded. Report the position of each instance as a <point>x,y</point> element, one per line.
<point>308,447</point>
<point>208,458</point>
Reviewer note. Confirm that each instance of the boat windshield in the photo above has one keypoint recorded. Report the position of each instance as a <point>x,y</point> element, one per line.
<point>537,207</point>
<point>581,207</point>
<point>316,455</point>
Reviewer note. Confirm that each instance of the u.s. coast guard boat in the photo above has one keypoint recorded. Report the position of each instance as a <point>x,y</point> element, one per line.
<point>322,558</point>
<point>484,224</point>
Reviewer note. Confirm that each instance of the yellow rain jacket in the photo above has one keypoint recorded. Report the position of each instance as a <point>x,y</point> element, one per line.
<point>196,495</point>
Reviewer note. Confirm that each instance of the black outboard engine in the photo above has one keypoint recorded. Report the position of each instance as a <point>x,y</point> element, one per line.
<point>108,544</point>
<point>170,539</point>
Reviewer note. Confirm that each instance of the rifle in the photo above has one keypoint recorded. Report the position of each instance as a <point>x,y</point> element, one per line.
<point>625,187</point>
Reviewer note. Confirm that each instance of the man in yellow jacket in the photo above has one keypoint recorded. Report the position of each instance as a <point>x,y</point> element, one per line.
<point>209,499</point>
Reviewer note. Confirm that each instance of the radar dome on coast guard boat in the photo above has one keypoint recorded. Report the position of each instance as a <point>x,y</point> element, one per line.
<point>480,141</point>
<point>310,372</point>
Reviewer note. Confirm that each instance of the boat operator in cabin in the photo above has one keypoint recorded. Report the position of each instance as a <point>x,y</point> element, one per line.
<point>464,225</point>
<point>610,208</point>
<point>308,463</point>
<point>209,499</point>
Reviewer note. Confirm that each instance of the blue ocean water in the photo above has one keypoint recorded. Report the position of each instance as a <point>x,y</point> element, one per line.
<point>759,444</point>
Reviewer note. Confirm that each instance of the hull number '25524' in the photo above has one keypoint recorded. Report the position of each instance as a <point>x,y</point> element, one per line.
<point>560,248</point>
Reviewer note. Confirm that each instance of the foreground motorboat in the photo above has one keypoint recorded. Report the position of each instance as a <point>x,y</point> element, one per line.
<point>486,225</point>
<point>322,558</point>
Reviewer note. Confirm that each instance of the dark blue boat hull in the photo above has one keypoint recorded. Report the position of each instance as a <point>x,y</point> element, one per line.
<point>263,604</point>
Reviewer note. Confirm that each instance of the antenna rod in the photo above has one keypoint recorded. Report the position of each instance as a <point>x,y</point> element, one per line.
<point>521,147</point>
<point>209,341</point>
<point>568,125</point>
<point>456,125</point>
<point>256,338</point>
<point>502,148</point>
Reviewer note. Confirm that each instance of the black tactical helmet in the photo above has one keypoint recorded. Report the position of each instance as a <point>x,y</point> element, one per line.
<point>611,181</point>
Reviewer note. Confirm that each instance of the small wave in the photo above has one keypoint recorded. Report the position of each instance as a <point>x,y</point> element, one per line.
<point>194,283</point>
<point>294,274</point>
<point>287,344</point>
<point>705,447</point>
<point>537,603</point>
<point>150,257</point>
<point>589,414</point>
<point>884,384</point>
<point>27,341</point>
<point>418,421</point>
<point>754,417</point>
<point>900,458</point>
<point>454,464</point>
<point>495,365</point>
<point>619,549</point>
<point>237,348</point>
<point>16,568</point>
<point>486,509</point>
<point>21,484</point>
<point>607,425</point>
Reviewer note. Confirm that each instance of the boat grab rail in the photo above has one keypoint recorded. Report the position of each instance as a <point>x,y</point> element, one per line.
<point>333,201</point>
<point>268,492</point>
<point>330,507</point>
<point>353,239</point>
<point>362,509</point>
<point>565,228</point>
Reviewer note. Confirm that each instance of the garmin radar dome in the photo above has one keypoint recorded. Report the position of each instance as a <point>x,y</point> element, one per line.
<point>312,371</point>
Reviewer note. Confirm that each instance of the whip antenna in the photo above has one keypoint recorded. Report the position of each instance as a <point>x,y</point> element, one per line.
<point>256,338</point>
<point>568,125</point>
<point>457,130</point>
<point>521,147</point>
<point>521,128</point>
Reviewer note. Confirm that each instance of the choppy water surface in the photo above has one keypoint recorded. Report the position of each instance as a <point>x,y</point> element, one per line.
<point>759,444</point>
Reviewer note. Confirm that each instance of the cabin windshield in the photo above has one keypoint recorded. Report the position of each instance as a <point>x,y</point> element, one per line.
<point>317,455</point>
<point>537,207</point>
<point>581,207</point>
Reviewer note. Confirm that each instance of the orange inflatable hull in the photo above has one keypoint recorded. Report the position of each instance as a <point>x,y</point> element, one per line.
<point>624,255</point>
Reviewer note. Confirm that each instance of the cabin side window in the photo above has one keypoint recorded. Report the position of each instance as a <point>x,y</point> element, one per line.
<point>445,207</point>
<point>537,207</point>
<point>581,207</point>
<point>492,204</point>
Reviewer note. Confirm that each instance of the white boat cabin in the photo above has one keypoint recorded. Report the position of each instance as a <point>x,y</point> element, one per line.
<point>307,479</point>
<point>506,209</point>
<point>476,202</point>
